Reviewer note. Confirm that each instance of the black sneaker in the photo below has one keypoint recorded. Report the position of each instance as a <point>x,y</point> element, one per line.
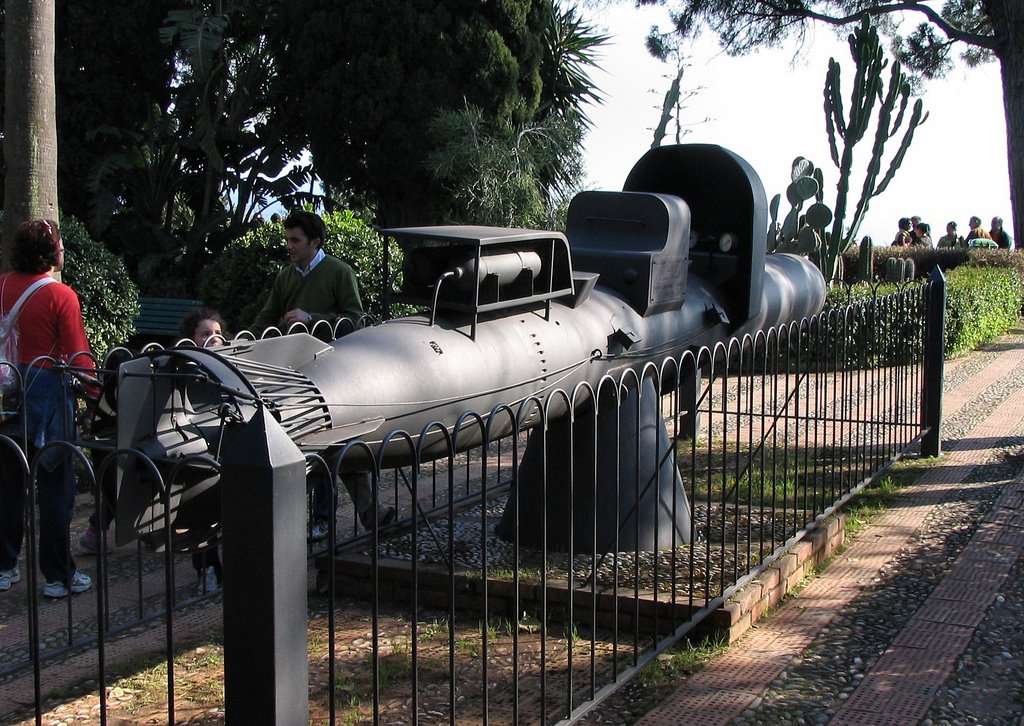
<point>385,516</point>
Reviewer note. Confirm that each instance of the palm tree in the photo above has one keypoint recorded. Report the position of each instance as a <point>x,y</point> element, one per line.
<point>30,123</point>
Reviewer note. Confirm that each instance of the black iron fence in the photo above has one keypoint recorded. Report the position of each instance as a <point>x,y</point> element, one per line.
<point>524,578</point>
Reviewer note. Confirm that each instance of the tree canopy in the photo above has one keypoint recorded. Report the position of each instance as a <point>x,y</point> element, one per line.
<point>182,120</point>
<point>975,30</point>
<point>367,95</point>
<point>100,86</point>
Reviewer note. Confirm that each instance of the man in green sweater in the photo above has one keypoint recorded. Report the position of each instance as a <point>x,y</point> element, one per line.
<point>315,286</point>
<point>318,286</point>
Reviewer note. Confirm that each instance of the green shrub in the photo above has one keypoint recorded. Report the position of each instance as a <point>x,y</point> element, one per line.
<point>109,298</point>
<point>839,295</point>
<point>982,258</point>
<point>982,303</point>
<point>354,241</point>
<point>238,281</point>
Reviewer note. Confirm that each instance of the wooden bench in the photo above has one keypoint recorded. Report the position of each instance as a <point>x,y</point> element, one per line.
<point>160,316</point>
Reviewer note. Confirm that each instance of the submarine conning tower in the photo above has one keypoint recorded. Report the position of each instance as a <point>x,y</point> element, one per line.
<point>704,213</point>
<point>684,209</point>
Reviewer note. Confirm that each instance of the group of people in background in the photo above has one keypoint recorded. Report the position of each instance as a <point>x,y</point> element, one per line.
<point>314,286</point>
<point>915,233</point>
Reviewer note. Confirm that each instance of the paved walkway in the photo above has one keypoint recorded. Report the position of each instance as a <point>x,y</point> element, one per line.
<point>900,686</point>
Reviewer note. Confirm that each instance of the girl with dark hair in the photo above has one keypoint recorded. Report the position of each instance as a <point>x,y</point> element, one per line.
<point>203,326</point>
<point>50,330</point>
<point>923,235</point>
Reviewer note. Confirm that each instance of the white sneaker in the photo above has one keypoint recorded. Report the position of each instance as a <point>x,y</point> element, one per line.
<point>9,577</point>
<point>80,582</point>
<point>318,531</point>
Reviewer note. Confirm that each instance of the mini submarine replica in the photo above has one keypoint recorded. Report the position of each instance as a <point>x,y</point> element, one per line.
<point>674,261</point>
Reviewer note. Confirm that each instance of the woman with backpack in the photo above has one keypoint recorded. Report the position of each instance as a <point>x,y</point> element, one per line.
<point>49,328</point>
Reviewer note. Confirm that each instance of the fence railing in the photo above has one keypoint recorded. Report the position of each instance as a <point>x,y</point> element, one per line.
<point>525,578</point>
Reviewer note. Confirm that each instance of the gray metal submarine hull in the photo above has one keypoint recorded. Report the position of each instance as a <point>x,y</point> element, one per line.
<point>407,374</point>
<point>676,262</point>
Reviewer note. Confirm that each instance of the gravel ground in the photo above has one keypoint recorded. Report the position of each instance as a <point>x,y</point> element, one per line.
<point>987,684</point>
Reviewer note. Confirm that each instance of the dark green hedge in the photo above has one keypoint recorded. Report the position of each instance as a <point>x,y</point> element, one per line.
<point>109,298</point>
<point>926,259</point>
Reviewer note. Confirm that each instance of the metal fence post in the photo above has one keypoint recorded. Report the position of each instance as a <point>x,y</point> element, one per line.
<point>263,501</point>
<point>934,363</point>
<point>689,398</point>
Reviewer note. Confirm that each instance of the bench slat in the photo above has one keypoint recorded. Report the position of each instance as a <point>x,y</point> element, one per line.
<point>162,315</point>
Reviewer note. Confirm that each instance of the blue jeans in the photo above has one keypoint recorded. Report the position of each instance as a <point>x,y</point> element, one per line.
<point>48,415</point>
<point>359,487</point>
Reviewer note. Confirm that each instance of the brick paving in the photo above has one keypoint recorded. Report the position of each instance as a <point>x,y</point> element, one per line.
<point>900,687</point>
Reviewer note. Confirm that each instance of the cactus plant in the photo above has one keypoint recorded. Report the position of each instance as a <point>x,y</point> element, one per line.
<point>866,260</point>
<point>909,270</point>
<point>899,270</point>
<point>800,232</point>
<point>868,55</point>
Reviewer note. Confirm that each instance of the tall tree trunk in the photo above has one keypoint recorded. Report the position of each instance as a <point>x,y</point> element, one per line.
<point>1011,57</point>
<point>30,121</point>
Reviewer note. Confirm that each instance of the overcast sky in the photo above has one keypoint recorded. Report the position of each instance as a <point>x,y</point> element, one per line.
<point>768,109</point>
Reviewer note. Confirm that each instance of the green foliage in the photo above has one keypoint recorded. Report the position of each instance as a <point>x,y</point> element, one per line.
<point>982,304</point>
<point>983,301</point>
<point>218,147</point>
<point>880,325</point>
<point>568,56</point>
<point>926,259</point>
<point>996,258</point>
<point>494,174</point>
<point>870,502</point>
<point>110,300</point>
<point>353,240</point>
<point>238,281</point>
<point>928,51</point>
<point>109,73</point>
<point>368,93</point>
<point>840,295</point>
<point>186,118</point>
<point>683,659</point>
<point>235,126</point>
<point>741,27</point>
